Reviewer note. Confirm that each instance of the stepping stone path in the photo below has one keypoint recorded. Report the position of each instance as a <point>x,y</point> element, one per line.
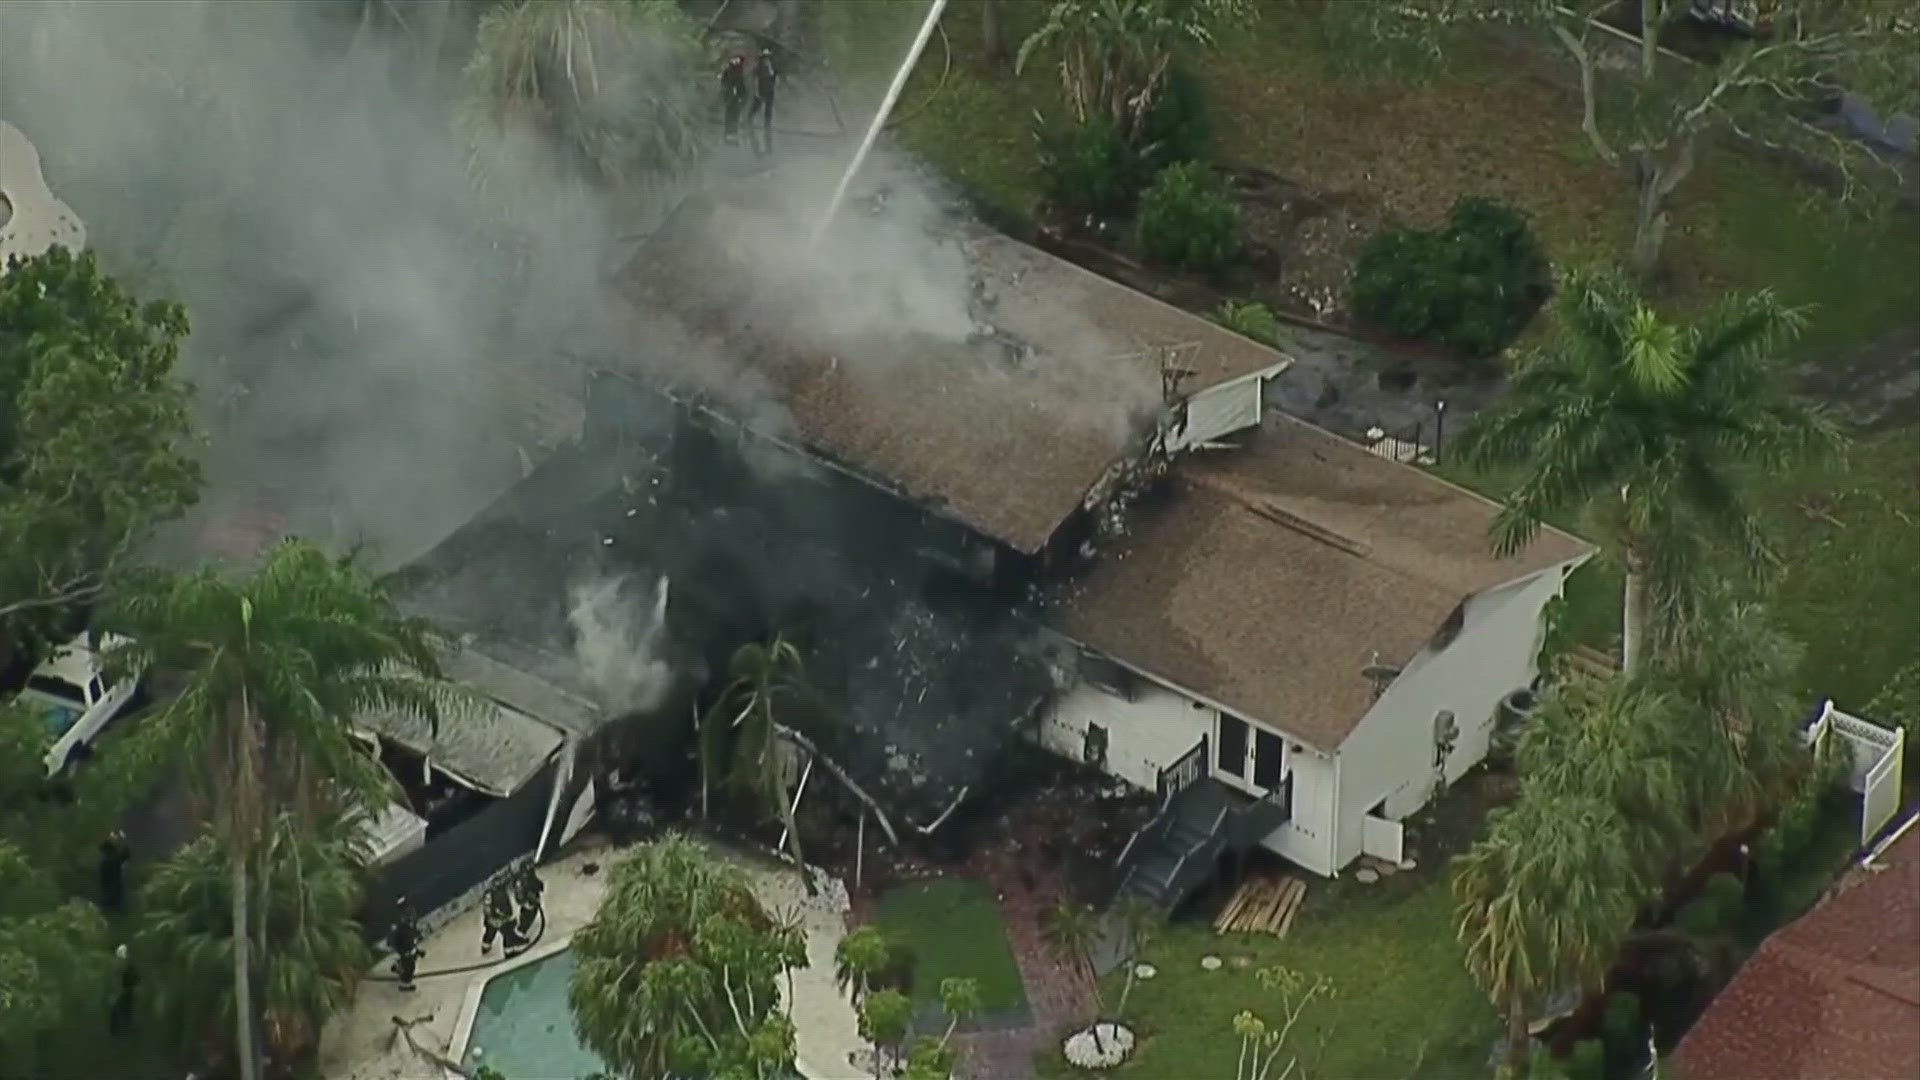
<point>1367,875</point>
<point>1210,963</point>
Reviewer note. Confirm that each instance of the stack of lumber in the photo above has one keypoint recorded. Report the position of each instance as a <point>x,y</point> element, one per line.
<point>1262,905</point>
<point>1591,661</point>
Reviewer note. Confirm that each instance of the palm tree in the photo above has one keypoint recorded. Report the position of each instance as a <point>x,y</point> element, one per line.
<point>311,948</point>
<point>1654,425</point>
<point>1620,742</point>
<point>1072,931</point>
<point>1116,55</point>
<point>678,970</point>
<point>279,665</point>
<point>743,732</point>
<point>1731,664</point>
<point>612,84</point>
<point>1544,901</point>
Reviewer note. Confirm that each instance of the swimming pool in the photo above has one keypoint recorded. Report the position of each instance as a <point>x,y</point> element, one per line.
<point>523,1027</point>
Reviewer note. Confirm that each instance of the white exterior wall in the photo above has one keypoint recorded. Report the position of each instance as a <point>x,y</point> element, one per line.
<point>1389,756</point>
<point>1143,735</point>
<point>1219,411</point>
<point>1159,725</point>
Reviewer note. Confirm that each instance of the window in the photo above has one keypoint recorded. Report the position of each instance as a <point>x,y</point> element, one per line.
<point>95,690</point>
<point>55,688</point>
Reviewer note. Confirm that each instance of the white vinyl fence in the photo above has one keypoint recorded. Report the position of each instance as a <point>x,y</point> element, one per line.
<point>1874,756</point>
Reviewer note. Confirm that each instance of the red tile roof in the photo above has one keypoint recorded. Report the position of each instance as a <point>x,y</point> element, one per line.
<point>1834,995</point>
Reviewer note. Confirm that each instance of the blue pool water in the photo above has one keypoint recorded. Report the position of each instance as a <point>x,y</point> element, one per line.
<point>524,1028</point>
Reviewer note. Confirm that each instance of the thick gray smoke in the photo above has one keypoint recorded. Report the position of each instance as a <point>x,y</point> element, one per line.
<point>619,641</point>
<point>382,347</point>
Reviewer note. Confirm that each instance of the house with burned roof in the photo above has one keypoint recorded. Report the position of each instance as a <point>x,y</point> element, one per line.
<point>1296,646</point>
<point>1012,437</point>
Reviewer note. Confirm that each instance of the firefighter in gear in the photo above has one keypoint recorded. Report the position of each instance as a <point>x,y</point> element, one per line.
<point>527,891</point>
<point>404,940</point>
<point>733,93</point>
<point>496,919</point>
<point>766,78</point>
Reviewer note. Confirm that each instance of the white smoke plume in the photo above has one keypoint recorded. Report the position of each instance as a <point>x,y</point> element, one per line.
<point>619,641</point>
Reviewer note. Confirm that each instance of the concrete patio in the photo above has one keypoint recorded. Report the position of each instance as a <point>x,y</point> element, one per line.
<point>365,1043</point>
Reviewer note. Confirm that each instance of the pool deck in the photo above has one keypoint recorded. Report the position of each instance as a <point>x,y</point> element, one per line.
<point>364,1043</point>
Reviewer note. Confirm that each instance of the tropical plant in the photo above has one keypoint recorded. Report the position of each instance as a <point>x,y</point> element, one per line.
<point>1544,900</point>
<point>1071,931</point>
<point>1250,318</point>
<point>1261,1042</point>
<point>860,957</point>
<point>310,947</point>
<point>278,667</point>
<point>960,999</point>
<point>1115,56</point>
<point>1655,427</point>
<point>96,436</point>
<point>1187,219</point>
<point>679,969</point>
<point>1626,746</point>
<point>743,736</point>
<point>886,1019</point>
<point>1089,168</point>
<point>613,85</point>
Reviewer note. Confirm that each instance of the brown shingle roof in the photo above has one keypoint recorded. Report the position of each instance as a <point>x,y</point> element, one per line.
<point>1835,994</point>
<point>1006,447</point>
<point>1276,571</point>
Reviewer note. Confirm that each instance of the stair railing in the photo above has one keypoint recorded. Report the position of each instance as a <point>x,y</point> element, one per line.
<point>1168,783</point>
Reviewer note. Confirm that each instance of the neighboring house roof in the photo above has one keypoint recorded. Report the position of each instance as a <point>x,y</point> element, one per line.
<point>32,218</point>
<point>1834,994</point>
<point>1005,443</point>
<point>1275,572</point>
<point>501,743</point>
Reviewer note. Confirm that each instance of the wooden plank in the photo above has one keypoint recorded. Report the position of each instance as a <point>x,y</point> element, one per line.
<point>1243,902</point>
<point>1234,903</point>
<point>1299,901</point>
<point>1269,904</point>
<point>1256,896</point>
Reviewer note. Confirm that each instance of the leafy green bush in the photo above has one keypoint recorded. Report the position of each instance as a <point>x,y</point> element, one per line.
<point>1623,1031</point>
<point>1542,1065</point>
<point>1089,168</point>
<point>1588,1061</point>
<point>1251,318</point>
<point>1470,287</point>
<point>1187,219</point>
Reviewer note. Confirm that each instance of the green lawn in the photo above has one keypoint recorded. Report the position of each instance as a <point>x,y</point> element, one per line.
<point>1401,994</point>
<point>1846,590</point>
<point>1404,149</point>
<point>953,927</point>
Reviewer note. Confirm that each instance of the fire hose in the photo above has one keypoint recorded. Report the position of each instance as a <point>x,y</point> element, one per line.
<point>538,933</point>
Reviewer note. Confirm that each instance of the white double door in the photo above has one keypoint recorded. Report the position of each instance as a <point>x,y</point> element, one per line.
<point>1247,757</point>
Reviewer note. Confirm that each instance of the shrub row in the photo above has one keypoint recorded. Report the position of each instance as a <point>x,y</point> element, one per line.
<point>1469,287</point>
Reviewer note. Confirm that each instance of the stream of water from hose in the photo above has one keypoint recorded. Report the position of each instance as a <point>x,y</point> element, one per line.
<point>880,118</point>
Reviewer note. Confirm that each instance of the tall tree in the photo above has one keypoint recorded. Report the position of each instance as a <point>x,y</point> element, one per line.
<point>96,436</point>
<point>1543,903</point>
<point>1115,56</point>
<point>679,970</point>
<point>279,666</point>
<point>1652,129</point>
<point>613,85</point>
<point>1655,427</point>
<point>310,945</point>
